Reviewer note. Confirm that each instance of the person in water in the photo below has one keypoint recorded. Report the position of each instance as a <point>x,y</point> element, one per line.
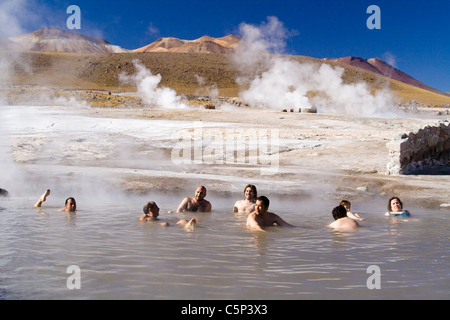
<point>341,221</point>
<point>196,203</point>
<point>70,204</point>
<point>347,205</point>
<point>395,208</point>
<point>151,213</point>
<point>247,205</point>
<point>261,217</point>
<point>3,193</point>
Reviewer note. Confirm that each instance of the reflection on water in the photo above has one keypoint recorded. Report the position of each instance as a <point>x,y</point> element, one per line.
<point>120,257</point>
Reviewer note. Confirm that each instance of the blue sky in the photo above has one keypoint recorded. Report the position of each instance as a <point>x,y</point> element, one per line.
<point>414,35</point>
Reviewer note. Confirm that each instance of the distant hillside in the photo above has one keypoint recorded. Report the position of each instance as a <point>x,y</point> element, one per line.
<point>61,41</point>
<point>58,40</point>
<point>180,71</point>
<point>377,65</point>
<point>205,44</point>
<point>229,43</point>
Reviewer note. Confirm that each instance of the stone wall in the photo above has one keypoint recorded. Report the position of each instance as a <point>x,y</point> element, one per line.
<point>429,146</point>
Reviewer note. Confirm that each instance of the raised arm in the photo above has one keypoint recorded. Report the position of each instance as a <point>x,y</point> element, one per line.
<point>183,205</point>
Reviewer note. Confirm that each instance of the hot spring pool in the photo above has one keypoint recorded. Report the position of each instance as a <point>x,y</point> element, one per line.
<point>122,258</point>
<point>119,257</point>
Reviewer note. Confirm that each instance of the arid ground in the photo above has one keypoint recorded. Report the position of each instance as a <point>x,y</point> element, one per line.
<point>342,155</point>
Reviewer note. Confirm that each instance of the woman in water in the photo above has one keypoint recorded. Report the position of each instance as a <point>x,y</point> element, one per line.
<point>395,208</point>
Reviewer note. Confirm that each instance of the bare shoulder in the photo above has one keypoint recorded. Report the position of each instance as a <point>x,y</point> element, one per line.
<point>251,217</point>
<point>344,224</point>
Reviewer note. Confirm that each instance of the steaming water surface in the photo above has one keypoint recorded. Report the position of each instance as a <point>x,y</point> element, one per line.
<point>120,257</point>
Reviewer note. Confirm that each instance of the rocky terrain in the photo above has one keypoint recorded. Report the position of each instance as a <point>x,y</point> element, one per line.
<point>186,73</point>
<point>347,153</point>
<point>100,69</point>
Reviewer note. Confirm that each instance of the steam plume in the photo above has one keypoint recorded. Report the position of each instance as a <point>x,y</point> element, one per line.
<point>277,81</point>
<point>148,90</point>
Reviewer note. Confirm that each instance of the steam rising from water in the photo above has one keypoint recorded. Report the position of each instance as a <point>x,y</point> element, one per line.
<point>11,175</point>
<point>278,81</point>
<point>281,82</point>
<point>148,90</point>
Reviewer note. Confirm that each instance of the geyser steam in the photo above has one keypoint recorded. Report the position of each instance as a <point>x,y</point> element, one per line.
<point>278,81</point>
<point>148,90</point>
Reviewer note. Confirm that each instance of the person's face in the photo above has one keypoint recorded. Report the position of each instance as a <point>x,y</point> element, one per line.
<point>71,205</point>
<point>395,205</point>
<point>200,194</point>
<point>249,194</point>
<point>260,208</point>
<point>347,207</point>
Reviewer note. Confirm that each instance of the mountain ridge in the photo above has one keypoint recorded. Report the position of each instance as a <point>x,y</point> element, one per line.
<point>51,39</point>
<point>379,66</point>
<point>204,44</point>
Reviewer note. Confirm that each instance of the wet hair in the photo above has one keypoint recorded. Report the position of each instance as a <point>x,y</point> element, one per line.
<point>149,205</point>
<point>264,200</point>
<point>70,198</point>
<point>389,203</point>
<point>345,203</point>
<point>339,212</point>
<point>253,189</point>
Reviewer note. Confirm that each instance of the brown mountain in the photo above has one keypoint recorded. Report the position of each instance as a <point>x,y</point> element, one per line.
<point>57,40</point>
<point>162,45</point>
<point>61,41</point>
<point>205,44</point>
<point>379,66</point>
